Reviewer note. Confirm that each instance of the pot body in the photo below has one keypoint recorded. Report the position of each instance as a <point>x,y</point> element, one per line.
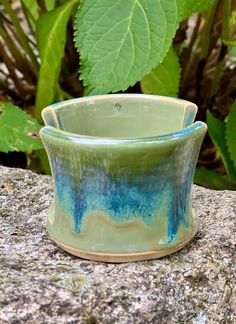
<point>128,197</point>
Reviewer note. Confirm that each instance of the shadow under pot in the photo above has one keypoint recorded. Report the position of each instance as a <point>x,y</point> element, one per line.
<point>123,168</point>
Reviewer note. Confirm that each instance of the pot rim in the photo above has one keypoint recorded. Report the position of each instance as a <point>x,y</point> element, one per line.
<point>194,129</point>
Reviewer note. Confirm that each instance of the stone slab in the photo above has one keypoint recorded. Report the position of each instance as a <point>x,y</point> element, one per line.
<point>39,283</point>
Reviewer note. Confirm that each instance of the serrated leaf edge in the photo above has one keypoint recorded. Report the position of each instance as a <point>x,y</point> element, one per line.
<point>165,51</point>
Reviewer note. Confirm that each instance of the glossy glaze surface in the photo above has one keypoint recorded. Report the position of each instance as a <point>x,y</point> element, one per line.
<point>123,167</point>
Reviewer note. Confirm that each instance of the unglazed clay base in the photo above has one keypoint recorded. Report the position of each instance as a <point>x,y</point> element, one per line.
<point>129,257</point>
<point>122,257</point>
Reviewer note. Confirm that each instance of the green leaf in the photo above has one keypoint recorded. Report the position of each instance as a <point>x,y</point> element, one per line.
<point>18,130</point>
<point>51,38</point>
<point>217,130</point>
<point>32,8</point>
<point>120,41</point>
<point>164,79</point>
<point>212,179</point>
<point>50,4</point>
<point>231,133</point>
<point>188,7</point>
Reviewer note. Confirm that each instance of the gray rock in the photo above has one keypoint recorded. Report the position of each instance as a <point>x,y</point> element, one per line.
<point>39,283</point>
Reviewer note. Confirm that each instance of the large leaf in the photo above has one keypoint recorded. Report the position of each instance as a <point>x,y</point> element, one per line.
<point>18,130</point>
<point>51,38</point>
<point>188,7</point>
<point>164,79</point>
<point>217,131</point>
<point>120,41</point>
<point>231,133</point>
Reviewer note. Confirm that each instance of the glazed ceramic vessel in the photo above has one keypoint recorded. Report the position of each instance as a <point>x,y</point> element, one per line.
<point>123,167</point>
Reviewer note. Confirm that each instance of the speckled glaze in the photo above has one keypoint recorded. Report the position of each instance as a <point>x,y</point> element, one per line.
<point>123,167</point>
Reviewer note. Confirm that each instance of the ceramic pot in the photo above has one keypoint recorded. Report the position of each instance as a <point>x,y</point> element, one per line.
<point>123,167</point>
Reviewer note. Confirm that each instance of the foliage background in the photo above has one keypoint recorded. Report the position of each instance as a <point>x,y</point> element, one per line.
<point>181,48</point>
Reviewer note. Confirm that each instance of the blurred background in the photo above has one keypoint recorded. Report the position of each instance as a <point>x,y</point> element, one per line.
<point>205,44</point>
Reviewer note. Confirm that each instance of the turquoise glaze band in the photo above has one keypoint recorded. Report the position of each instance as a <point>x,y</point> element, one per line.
<point>117,195</point>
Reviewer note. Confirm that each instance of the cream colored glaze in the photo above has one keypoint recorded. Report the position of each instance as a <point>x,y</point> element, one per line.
<point>100,234</point>
<point>127,257</point>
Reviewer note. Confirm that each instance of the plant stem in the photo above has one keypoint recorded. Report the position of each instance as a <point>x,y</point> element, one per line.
<point>226,19</point>
<point>217,76</point>
<point>206,33</point>
<point>22,63</point>
<point>10,66</point>
<point>42,6</point>
<point>226,25</point>
<point>5,87</point>
<point>23,38</point>
<point>187,55</point>
<point>13,31</point>
<point>28,17</point>
<point>221,61</point>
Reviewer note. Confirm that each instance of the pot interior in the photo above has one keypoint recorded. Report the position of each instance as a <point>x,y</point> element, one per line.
<point>124,116</point>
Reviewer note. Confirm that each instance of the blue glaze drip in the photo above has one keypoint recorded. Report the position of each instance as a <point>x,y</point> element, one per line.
<point>121,198</point>
<point>178,208</point>
<point>67,197</point>
<point>126,196</point>
<point>181,185</point>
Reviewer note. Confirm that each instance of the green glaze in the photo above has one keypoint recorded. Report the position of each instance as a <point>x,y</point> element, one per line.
<point>120,117</point>
<point>123,168</point>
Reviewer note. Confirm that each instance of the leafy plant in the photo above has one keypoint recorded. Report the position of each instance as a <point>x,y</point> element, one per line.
<point>231,135</point>
<point>132,41</point>
<point>163,79</point>
<point>51,39</point>
<point>183,48</point>
<point>223,136</point>
<point>217,131</point>
<point>38,60</point>
<point>120,41</point>
<point>18,130</point>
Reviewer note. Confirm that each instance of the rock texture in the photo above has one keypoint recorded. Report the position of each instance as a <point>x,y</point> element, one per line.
<point>39,283</point>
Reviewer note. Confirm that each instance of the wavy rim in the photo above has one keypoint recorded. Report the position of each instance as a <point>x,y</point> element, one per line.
<point>62,104</point>
<point>194,129</point>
